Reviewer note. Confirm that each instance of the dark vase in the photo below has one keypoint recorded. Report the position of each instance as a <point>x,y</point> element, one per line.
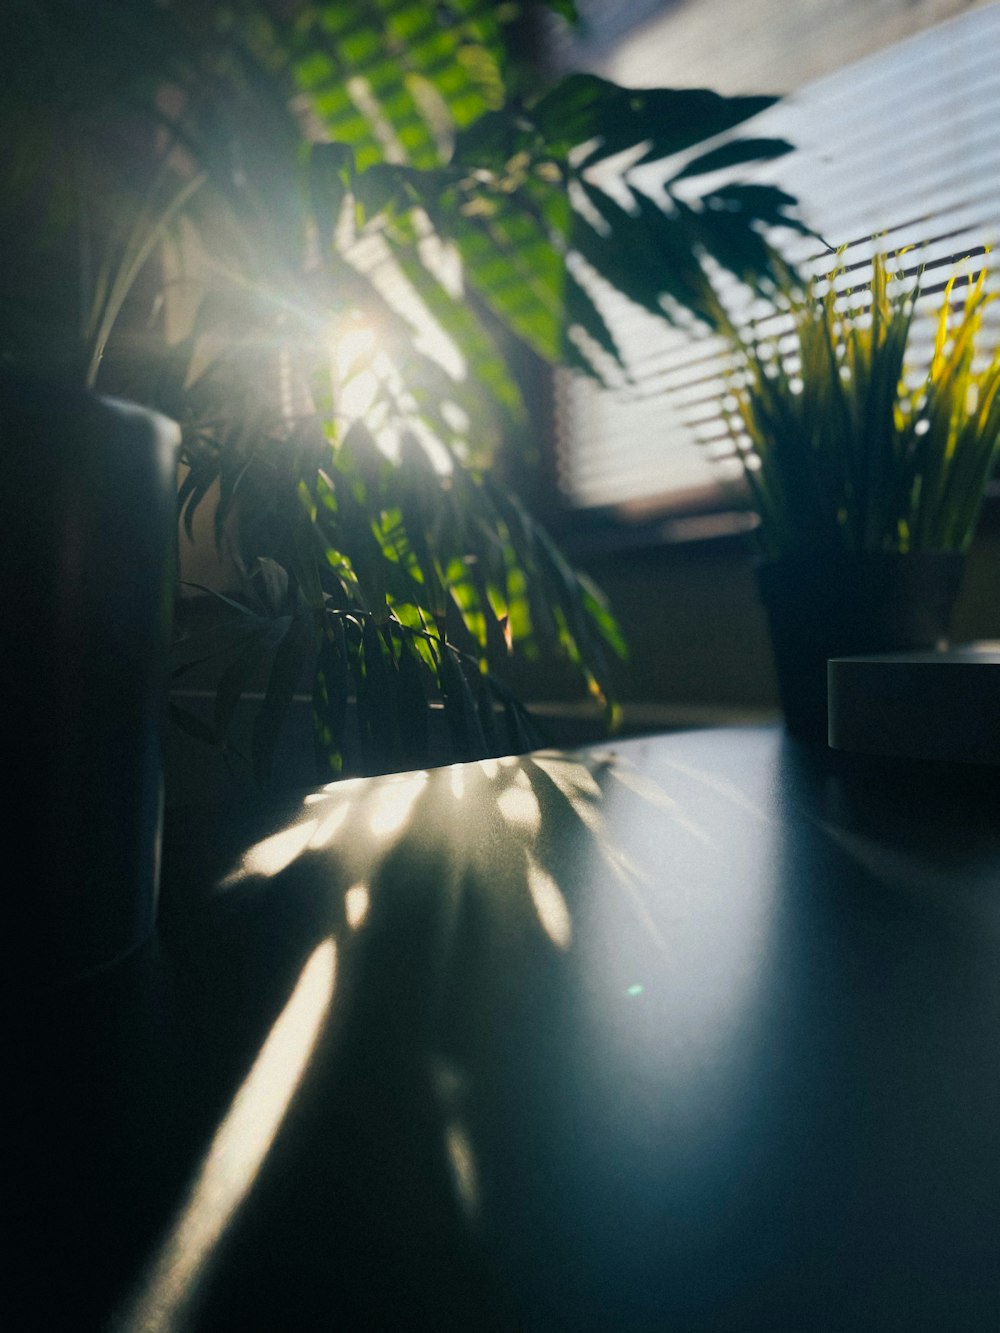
<point>846,604</point>
<point>89,535</point>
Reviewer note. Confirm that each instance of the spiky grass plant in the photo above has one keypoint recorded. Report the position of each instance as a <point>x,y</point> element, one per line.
<point>847,447</point>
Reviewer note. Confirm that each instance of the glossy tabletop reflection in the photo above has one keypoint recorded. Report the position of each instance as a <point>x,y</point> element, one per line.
<point>699,1032</point>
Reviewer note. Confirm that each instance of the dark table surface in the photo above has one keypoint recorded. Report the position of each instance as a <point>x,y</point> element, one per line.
<point>697,1032</point>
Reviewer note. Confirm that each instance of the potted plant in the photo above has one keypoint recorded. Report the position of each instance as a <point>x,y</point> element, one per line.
<point>88,544</point>
<point>392,582</point>
<point>867,473</point>
<point>89,477</point>
<point>225,184</point>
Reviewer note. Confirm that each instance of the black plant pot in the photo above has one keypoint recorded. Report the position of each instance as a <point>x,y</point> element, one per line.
<point>89,535</point>
<point>846,604</point>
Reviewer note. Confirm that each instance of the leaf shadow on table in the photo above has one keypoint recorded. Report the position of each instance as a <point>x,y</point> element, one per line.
<point>564,986</point>
<point>370,1177</point>
<point>470,907</point>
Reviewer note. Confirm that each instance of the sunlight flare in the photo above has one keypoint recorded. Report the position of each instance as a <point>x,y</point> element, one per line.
<point>358,395</point>
<point>550,905</point>
<point>238,1149</point>
<point>520,808</point>
<point>330,824</point>
<point>394,803</point>
<point>357,901</point>
<point>463,1166</point>
<point>274,854</point>
<point>352,348</point>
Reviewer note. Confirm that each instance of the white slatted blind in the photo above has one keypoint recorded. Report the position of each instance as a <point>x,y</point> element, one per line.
<point>904,144</point>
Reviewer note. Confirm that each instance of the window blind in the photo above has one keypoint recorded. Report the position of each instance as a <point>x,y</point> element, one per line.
<point>902,145</point>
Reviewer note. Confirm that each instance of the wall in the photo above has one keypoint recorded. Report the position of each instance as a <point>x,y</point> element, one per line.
<point>739,46</point>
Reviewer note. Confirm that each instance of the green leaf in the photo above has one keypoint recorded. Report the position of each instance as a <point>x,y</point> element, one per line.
<point>195,485</point>
<point>508,256</point>
<point>565,9</point>
<point>487,369</point>
<point>521,734</point>
<point>331,170</point>
<point>461,713</point>
<point>236,678</point>
<point>377,700</point>
<point>191,724</point>
<point>381,187</point>
<point>331,689</point>
<point>284,678</point>
<point>223,637</point>
<point>487,717</point>
<point>273,580</point>
<point>414,708</point>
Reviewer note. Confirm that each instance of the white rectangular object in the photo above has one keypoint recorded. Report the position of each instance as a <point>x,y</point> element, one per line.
<point>918,705</point>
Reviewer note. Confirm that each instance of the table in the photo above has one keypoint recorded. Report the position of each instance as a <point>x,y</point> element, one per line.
<point>693,1032</point>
